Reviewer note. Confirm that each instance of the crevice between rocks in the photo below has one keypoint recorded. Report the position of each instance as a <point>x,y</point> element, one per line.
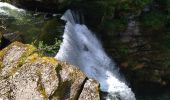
<point>81,88</point>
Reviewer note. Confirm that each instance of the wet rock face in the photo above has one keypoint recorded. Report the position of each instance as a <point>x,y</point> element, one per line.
<point>142,59</point>
<point>24,75</point>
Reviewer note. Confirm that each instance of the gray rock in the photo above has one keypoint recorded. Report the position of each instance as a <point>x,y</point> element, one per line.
<point>89,91</point>
<point>27,76</point>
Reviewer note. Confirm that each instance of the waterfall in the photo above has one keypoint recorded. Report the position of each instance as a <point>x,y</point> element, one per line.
<point>81,48</point>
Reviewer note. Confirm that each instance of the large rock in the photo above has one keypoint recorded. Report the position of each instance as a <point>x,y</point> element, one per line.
<point>89,91</point>
<point>25,75</point>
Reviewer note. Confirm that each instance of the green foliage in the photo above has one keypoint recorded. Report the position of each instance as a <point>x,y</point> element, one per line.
<point>132,6</point>
<point>153,20</point>
<point>31,26</point>
<point>65,3</point>
<point>120,24</point>
<point>51,30</point>
<point>108,6</point>
<point>111,15</point>
<point>124,51</point>
<point>141,3</point>
<point>48,49</point>
<point>116,25</point>
<point>125,7</point>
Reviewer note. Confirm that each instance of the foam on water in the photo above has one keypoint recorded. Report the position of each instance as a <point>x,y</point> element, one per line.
<point>80,47</point>
<point>7,9</point>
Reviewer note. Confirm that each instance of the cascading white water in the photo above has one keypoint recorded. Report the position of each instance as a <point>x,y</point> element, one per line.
<point>9,10</point>
<point>80,47</point>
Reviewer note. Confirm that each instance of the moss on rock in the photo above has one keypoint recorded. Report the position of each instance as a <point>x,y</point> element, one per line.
<point>27,75</point>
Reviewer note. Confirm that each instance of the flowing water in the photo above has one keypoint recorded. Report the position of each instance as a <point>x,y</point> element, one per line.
<point>80,47</point>
<point>17,24</point>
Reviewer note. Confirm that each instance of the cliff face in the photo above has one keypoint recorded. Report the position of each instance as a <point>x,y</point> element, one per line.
<point>25,75</point>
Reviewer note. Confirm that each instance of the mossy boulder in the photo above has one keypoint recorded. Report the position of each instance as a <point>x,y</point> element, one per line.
<point>25,75</point>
